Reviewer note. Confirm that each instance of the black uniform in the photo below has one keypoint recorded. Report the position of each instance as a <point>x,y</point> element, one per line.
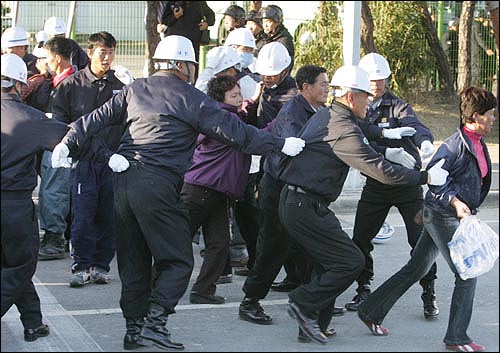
<point>159,141</point>
<point>25,131</point>
<point>334,142</point>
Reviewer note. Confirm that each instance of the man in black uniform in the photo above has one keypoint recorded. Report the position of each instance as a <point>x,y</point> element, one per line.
<point>25,131</point>
<point>315,179</point>
<point>275,30</point>
<point>156,149</point>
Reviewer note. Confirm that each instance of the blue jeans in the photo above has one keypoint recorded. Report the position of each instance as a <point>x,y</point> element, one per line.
<point>438,231</point>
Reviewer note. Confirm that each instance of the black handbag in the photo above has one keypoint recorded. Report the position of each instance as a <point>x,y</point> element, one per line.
<point>205,37</point>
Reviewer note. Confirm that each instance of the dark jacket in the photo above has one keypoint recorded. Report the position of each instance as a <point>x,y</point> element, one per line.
<point>162,126</point>
<point>78,57</point>
<point>334,142</point>
<point>25,132</point>
<point>218,166</point>
<point>272,99</point>
<point>284,37</point>
<point>464,180</point>
<point>290,120</point>
<point>81,93</point>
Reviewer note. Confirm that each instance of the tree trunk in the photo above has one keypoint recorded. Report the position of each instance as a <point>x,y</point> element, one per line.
<point>464,52</point>
<point>152,36</point>
<point>367,41</point>
<point>443,64</point>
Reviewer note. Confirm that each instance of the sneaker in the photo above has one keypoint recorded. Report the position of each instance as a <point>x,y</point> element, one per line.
<point>469,347</point>
<point>99,275</point>
<point>223,279</point>
<point>358,298</point>
<point>79,278</point>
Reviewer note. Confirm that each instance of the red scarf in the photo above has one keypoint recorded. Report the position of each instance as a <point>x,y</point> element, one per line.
<point>478,149</point>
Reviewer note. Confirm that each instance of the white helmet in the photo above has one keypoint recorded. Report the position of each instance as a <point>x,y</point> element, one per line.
<point>376,66</point>
<point>14,68</point>
<point>40,52</point>
<point>175,47</point>
<point>273,58</point>
<point>41,36</point>
<point>241,36</point>
<point>222,58</point>
<point>351,76</point>
<point>14,37</point>
<point>54,26</point>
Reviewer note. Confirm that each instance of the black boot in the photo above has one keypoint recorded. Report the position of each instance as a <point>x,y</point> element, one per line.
<point>132,340</point>
<point>250,310</point>
<point>155,329</point>
<point>363,293</point>
<point>52,246</point>
<point>431,310</point>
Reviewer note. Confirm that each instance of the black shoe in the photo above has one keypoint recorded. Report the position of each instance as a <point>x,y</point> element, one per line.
<point>431,310</point>
<point>196,298</point>
<point>302,338</point>
<point>223,279</point>
<point>284,286</point>
<point>132,339</point>
<point>32,334</point>
<point>338,311</point>
<point>309,326</point>
<point>250,310</point>
<point>242,271</point>
<point>52,247</point>
<point>362,295</point>
<point>155,329</point>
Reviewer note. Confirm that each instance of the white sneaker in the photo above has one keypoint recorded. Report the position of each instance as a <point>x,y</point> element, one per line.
<point>79,278</point>
<point>99,275</point>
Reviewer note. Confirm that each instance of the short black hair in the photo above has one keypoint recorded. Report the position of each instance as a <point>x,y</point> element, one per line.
<point>60,46</point>
<point>101,39</point>
<point>218,86</point>
<point>475,100</point>
<point>308,74</point>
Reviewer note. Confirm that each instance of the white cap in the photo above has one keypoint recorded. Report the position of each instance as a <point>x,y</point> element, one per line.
<point>40,52</point>
<point>376,66</point>
<point>41,36</point>
<point>222,58</point>
<point>54,26</point>
<point>241,36</point>
<point>14,37</point>
<point>175,47</point>
<point>273,59</point>
<point>14,68</point>
<point>351,77</point>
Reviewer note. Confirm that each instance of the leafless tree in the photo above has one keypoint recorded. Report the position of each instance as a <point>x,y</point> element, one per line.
<point>464,51</point>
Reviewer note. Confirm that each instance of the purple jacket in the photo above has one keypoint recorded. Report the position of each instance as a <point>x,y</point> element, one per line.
<point>218,166</point>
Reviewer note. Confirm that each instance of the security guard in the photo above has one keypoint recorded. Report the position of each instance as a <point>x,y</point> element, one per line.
<point>274,29</point>
<point>315,179</point>
<point>156,149</point>
<point>393,124</point>
<point>25,131</point>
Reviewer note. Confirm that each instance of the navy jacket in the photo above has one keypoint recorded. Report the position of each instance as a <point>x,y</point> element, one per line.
<point>334,142</point>
<point>163,120</point>
<point>272,99</point>
<point>25,132</point>
<point>464,181</point>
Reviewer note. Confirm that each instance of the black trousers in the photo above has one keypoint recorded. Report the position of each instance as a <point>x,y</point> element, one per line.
<point>337,260</point>
<point>20,244</point>
<point>209,208</point>
<point>373,207</point>
<point>151,223</point>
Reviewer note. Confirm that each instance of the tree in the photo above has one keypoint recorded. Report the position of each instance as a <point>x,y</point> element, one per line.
<point>367,41</point>
<point>464,52</point>
<point>152,37</point>
<point>442,62</point>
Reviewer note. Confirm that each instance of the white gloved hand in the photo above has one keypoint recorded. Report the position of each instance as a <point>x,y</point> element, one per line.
<point>60,155</point>
<point>118,163</point>
<point>400,156</point>
<point>427,149</point>
<point>398,133</point>
<point>123,74</point>
<point>437,174</point>
<point>293,146</point>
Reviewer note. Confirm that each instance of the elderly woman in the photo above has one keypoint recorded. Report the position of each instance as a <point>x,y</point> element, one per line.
<point>467,160</point>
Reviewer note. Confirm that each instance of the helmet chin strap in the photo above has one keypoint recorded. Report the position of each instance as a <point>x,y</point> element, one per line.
<point>188,75</point>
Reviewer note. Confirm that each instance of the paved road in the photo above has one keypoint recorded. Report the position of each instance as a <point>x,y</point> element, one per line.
<point>89,318</point>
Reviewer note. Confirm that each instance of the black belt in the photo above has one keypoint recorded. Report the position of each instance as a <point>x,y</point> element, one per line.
<point>296,188</point>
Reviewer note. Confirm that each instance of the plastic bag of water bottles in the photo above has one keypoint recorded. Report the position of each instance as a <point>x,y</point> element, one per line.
<point>473,247</point>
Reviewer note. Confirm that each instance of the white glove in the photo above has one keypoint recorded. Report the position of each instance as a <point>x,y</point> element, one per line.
<point>60,156</point>
<point>427,149</point>
<point>118,163</point>
<point>400,156</point>
<point>123,74</point>
<point>293,146</point>
<point>437,174</point>
<point>398,133</point>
